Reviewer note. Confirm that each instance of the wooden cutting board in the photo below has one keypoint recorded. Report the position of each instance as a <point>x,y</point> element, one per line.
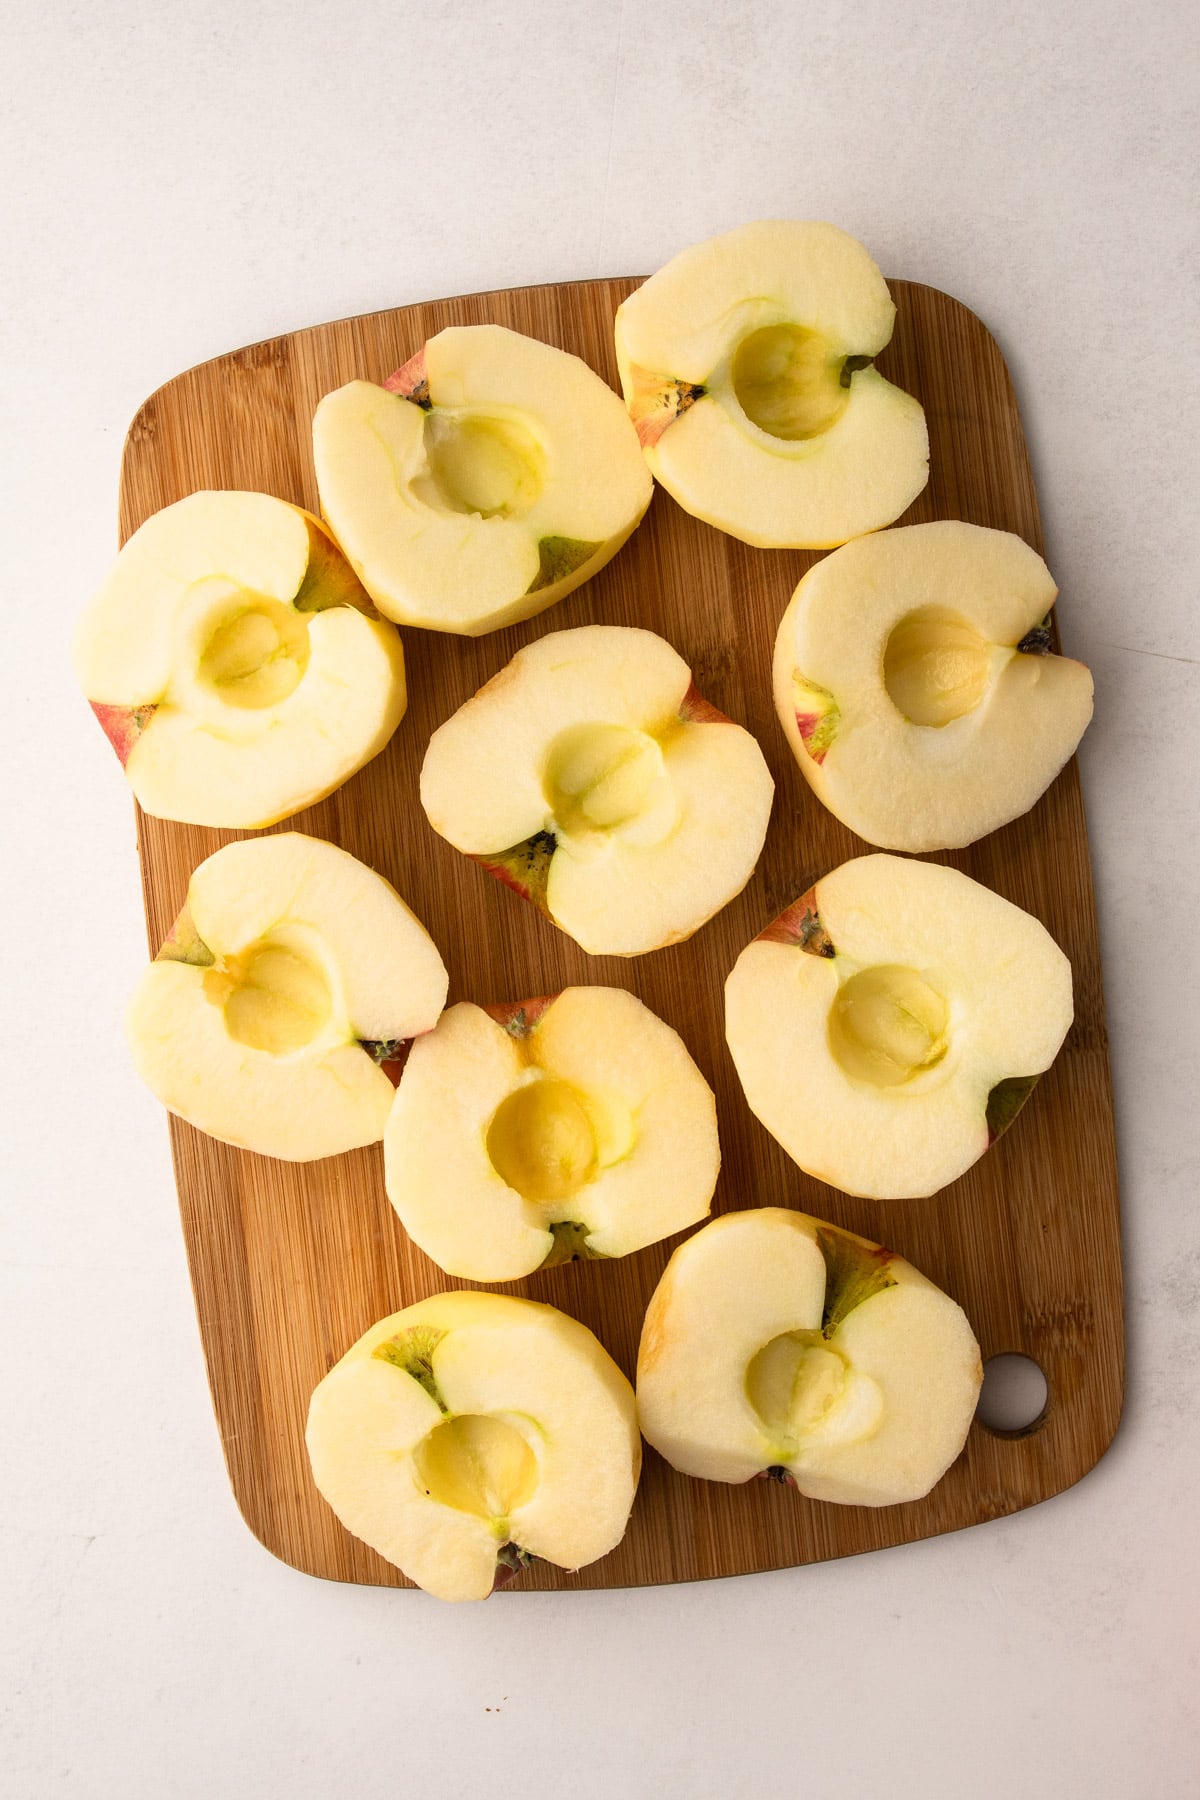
<point>291,1263</point>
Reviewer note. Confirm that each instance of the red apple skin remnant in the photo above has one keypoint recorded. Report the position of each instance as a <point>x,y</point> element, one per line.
<point>806,725</point>
<point>658,402</point>
<point>800,925</point>
<point>520,1017</point>
<point>184,944</point>
<point>524,868</point>
<point>122,725</point>
<point>503,873</point>
<point>694,709</point>
<point>411,381</point>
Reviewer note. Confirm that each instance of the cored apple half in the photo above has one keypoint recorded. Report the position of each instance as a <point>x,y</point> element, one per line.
<point>551,1129</point>
<point>776,1344</point>
<point>489,477</point>
<point>592,778</point>
<point>291,975</point>
<point>236,663</point>
<point>473,1432</point>
<point>889,1025</point>
<point>746,365</point>
<point>915,682</point>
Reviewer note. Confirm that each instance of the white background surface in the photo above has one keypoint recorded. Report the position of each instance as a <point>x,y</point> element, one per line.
<point>182,180</point>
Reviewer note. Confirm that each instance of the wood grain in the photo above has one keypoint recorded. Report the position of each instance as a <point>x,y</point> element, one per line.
<point>290,1264</point>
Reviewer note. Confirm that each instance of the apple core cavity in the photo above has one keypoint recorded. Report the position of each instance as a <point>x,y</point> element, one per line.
<point>477,1463</point>
<point>888,1024</point>
<point>788,381</point>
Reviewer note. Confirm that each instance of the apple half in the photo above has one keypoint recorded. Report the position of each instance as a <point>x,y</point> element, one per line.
<point>568,1127</point>
<point>291,976</point>
<point>236,663</point>
<point>915,682</point>
<point>890,1023</point>
<point>470,1434</point>
<point>590,776</point>
<point>776,1344</point>
<point>487,479</point>
<point>746,365</point>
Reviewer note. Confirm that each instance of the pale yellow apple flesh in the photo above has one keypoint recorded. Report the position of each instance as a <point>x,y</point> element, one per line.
<point>491,477</point>
<point>577,1126</point>
<point>888,1025</point>
<point>290,975</point>
<point>914,680</point>
<point>745,366</point>
<point>590,777</point>
<point>236,663</point>
<point>776,1343</point>
<point>474,1431</point>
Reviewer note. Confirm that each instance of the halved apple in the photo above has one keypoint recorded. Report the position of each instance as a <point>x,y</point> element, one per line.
<point>592,778</point>
<point>292,973</point>
<point>889,1025</point>
<point>548,1130</point>
<point>776,1344</point>
<point>487,479</point>
<point>746,369</point>
<point>473,1432</point>
<point>914,680</point>
<point>236,663</point>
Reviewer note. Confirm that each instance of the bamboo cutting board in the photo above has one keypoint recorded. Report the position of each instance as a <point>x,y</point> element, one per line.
<point>290,1263</point>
